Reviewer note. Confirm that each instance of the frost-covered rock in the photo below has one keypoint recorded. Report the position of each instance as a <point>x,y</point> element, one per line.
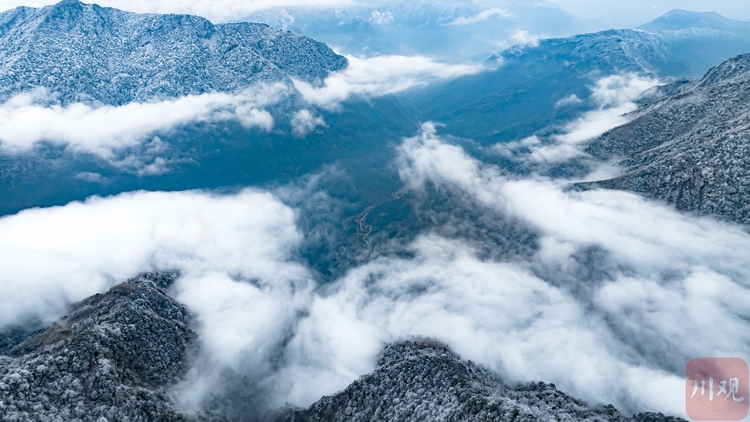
<point>83,52</point>
<point>691,149</point>
<point>426,381</point>
<point>110,358</point>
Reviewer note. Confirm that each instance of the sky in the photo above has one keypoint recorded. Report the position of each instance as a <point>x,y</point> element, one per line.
<point>617,13</point>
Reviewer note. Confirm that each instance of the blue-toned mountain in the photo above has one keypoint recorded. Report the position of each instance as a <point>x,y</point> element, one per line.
<point>520,96</point>
<point>83,52</point>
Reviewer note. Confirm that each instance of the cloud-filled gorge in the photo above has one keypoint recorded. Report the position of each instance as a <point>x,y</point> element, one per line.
<point>618,294</point>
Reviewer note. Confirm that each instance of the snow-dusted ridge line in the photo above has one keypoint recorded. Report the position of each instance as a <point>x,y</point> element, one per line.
<point>691,148</point>
<point>97,55</point>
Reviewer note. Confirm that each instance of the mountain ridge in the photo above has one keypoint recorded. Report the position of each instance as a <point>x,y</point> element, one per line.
<point>449,389</point>
<point>690,149</point>
<point>87,53</point>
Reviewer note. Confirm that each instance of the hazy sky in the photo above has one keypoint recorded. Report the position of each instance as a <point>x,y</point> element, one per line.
<point>615,12</point>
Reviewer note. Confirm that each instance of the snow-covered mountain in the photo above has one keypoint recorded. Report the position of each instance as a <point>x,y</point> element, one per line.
<point>83,52</point>
<point>519,97</point>
<point>111,358</point>
<point>691,148</point>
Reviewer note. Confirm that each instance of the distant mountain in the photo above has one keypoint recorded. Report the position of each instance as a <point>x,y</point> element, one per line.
<point>520,96</point>
<point>678,19</point>
<point>691,149</point>
<point>452,31</point>
<point>83,52</point>
<point>425,380</point>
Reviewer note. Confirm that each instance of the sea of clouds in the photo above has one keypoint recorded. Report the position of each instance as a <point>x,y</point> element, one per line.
<point>620,294</point>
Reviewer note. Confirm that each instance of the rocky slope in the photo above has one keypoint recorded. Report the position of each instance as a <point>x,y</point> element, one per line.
<point>426,381</point>
<point>109,359</point>
<point>83,52</point>
<point>691,149</point>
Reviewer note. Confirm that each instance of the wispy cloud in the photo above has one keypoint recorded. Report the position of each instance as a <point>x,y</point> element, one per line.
<point>482,16</point>
<point>613,97</point>
<point>305,121</point>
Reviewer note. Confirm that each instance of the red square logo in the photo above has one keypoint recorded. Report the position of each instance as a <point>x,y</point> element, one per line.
<point>716,389</point>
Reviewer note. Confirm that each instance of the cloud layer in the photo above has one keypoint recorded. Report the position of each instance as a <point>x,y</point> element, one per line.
<point>104,130</point>
<point>620,294</point>
<point>378,76</point>
<point>665,280</point>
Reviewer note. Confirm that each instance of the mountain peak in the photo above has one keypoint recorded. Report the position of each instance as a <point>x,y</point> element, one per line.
<point>83,53</point>
<point>70,6</point>
<point>678,19</point>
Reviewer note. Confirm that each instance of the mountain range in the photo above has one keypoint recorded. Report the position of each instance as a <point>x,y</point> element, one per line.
<point>120,355</point>
<point>453,31</point>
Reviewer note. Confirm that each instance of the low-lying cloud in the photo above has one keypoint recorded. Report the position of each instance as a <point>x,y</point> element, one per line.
<point>665,280</point>
<point>305,121</point>
<point>128,136</point>
<point>620,294</point>
<point>103,130</point>
<point>378,76</point>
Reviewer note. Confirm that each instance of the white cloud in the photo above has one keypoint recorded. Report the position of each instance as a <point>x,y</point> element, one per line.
<point>234,253</point>
<point>91,177</point>
<point>304,121</point>
<point>668,279</point>
<point>482,16</point>
<point>525,38</point>
<point>572,99</point>
<point>378,76</point>
<point>614,97</point>
<point>381,18</point>
<point>67,253</point>
<point>104,130</point>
